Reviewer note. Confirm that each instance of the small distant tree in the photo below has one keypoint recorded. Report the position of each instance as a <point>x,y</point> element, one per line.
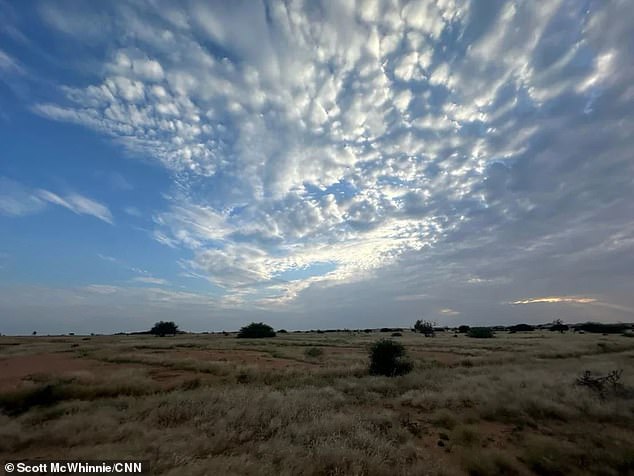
<point>480,332</point>
<point>256,330</point>
<point>558,325</point>
<point>163,328</point>
<point>389,358</point>
<point>424,327</point>
<point>34,333</point>
<point>463,329</point>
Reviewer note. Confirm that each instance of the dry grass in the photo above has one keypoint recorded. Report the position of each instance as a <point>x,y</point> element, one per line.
<point>303,403</point>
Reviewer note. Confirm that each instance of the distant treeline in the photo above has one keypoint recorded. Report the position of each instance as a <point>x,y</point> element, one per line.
<point>170,328</point>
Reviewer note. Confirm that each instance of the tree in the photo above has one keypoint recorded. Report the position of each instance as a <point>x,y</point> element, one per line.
<point>388,358</point>
<point>163,328</point>
<point>463,329</point>
<point>558,325</point>
<point>34,333</point>
<point>424,327</point>
<point>256,330</point>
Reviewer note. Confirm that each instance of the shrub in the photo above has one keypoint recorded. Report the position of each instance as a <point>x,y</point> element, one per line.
<point>463,329</point>
<point>256,330</point>
<point>313,352</point>
<point>480,332</point>
<point>388,358</point>
<point>282,331</point>
<point>396,334</point>
<point>163,328</point>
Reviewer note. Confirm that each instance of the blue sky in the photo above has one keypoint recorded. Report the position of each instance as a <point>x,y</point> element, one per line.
<point>314,164</point>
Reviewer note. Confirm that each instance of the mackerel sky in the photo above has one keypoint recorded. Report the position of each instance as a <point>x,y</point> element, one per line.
<point>315,164</point>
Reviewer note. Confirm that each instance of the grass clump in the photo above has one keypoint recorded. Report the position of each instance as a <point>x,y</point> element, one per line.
<point>389,358</point>
<point>488,463</point>
<point>313,352</point>
<point>445,419</point>
<point>22,400</point>
<point>466,435</point>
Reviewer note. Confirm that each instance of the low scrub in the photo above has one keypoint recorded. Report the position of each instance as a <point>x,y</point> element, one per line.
<point>480,332</point>
<point>598,328</point>
<point>313,352</point>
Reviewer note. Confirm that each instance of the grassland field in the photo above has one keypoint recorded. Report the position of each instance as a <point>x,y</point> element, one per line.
<point>304,403</point>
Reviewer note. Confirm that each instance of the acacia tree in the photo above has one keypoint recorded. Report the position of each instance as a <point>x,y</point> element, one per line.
<point>558,325</point>
<point>424,327</point>
<point>163,328</point>
<point>256,330</point>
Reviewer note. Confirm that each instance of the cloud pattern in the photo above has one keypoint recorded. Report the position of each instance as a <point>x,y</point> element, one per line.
<point>323,145</point>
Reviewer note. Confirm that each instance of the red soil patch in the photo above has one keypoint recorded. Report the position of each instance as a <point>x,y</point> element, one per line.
<point>442,357</point>
<point>344,350</point>
<point>15,369</point>
<point>243,357</point>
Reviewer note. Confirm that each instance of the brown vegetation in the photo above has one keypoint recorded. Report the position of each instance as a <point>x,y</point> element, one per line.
<point>305,403</point>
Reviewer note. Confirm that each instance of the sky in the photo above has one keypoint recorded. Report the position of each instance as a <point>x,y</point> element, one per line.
<point>334,164</point>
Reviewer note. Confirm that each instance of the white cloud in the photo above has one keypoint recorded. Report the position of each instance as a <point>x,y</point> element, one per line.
<point>78,204</point>
<point>9,64</point>
<point>449,312</point>
<point>132,211</point>
<point>340,133</point>
<point>150,280</point>
<point>17,200</point>
<point>557,299</point>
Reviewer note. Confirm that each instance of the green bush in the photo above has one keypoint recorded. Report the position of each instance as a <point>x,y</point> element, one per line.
<point>388,358</point>
<point>480,332</point>
<point>256,330</point>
